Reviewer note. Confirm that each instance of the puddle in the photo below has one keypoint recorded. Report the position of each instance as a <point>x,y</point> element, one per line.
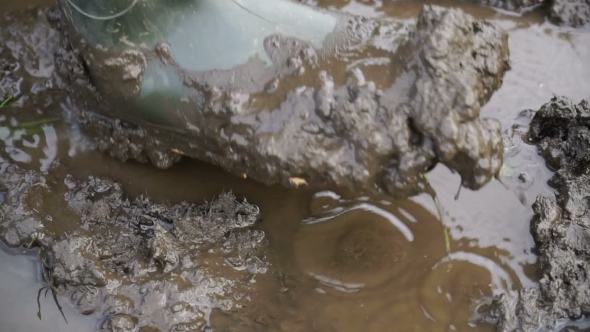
<point>20,278</point>
<point>343,262</point>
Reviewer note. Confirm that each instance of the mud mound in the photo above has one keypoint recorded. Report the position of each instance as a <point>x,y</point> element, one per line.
<point>137,263</point>
<point>561,130</point>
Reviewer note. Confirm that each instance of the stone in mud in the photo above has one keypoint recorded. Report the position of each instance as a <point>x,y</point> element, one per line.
<point>350,132</point>
<point>135,262</point>
<point>560,226</point>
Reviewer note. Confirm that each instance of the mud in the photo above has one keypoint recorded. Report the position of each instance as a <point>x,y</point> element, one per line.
<point>560,226</point>
<point>567,13</point>
<point>136,263</point>
<point>512,5</point>
<point>359,131</point>
<point>27,47</point>
<point>572,13</point>
<point>349,266</point>
<point>575,13</point>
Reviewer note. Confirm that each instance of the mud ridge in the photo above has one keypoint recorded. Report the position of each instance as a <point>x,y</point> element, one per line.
<point>560,227</point>
<point>132,261</point>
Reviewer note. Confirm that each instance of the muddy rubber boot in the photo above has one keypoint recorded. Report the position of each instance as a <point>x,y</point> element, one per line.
<point>200,35</point>
<point>285,93</point>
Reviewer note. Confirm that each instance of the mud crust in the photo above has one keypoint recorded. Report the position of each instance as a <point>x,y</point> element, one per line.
<point>561,130</point>
<point>135,262</point>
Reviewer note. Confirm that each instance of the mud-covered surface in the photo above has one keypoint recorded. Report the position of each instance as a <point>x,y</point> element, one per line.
<point>27,47</point>
<point>572,13</point>
<point>359,130</point>
<point>137,263</point>
<point>340,261</point>
<point>512,5</point>
<point>561,130</point>
<point>575,13</point>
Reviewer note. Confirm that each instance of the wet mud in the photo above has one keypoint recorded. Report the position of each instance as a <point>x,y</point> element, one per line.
<point>335,261</point>
<point>560,225</point>
<point>572,13</point>
<point>569,13</point>
<point>337,121</point>
<point>138,264</point>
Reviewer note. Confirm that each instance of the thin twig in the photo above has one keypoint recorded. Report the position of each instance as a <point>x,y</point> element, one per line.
<point>439,211</point>
<point>6,101</point>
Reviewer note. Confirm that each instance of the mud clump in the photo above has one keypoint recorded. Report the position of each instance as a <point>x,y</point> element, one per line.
<point>355,133</point>
<point>561,130</point>
<point>573,13</point>
<point>137,263</point>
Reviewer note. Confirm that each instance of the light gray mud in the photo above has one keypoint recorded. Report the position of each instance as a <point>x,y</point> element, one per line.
<point>570,13</point>
<point>561,130</point>
<point>573,13</point>
<point>27,47</point>
<point>356,128</point>
<point>139,264</point>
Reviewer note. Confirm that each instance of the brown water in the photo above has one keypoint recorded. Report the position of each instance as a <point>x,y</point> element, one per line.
<point>350,263</point>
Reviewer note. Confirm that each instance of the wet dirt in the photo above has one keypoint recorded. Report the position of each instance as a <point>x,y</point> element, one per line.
<point>338,261</point>
<point>571,13</point>
<point>135,262</point>
<point>358,133</point>
<point>560,129</point>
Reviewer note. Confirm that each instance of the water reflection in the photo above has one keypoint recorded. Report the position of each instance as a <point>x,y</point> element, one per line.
<point>368,208</point>
<point>22,142</point>
<point>18,308</point>
<point>386,259</point>
<point>500,279</point>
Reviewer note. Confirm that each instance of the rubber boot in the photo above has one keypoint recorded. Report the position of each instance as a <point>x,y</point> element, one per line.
<point>283,93</point>
<point>196,36</point>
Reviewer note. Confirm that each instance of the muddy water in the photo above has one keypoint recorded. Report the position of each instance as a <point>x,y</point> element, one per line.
<point>17,275</point>
<point>344,262</point>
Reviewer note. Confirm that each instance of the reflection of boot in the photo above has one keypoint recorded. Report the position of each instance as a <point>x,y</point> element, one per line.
<point>285,93</point>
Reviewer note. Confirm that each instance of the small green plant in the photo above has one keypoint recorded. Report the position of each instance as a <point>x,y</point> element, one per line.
<point>5,102</point>
<point>31,127</point>
<point>439,211</point>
